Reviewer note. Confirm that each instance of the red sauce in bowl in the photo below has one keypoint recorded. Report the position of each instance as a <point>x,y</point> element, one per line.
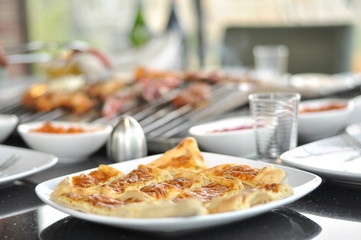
<point>328,107</point>
<point>232,129</point>
<point>48,127</point>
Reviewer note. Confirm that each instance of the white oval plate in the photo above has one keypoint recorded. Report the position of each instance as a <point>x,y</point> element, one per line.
<point>329,157</point>
<point>354,130</point>
<point>29,162</point>
<point>302,183</point>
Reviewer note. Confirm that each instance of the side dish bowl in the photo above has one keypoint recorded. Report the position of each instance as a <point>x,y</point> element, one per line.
<point>356,113</point>
<point>316,84</point>
<point>68,146</point>
<point>7,125</point>
<point>321,118</point>
<point>231,136</point>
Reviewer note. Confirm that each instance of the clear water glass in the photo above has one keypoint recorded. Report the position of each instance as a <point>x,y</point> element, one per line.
<point>275,118</point>
<point>270,60</point>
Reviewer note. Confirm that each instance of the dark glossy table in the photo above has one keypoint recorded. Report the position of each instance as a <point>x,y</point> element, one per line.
<point>332,211</point>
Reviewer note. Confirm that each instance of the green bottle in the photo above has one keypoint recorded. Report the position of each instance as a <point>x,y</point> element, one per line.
<point>139,34</point>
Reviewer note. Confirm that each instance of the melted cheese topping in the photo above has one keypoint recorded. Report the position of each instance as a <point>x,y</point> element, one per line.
<point>242,172</point>
<point>181,182</point>
<point>101,175</point>
<point>159,191</point>
<point>206,193</point>
<point>92,179</point>
<point>135,177</point>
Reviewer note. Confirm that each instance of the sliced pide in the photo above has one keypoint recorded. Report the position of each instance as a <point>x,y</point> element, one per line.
<point>176,184</point>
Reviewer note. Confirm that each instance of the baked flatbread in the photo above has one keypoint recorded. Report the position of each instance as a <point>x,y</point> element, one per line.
<point>178,183</point>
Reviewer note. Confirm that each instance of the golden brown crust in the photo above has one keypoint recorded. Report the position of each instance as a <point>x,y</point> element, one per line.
<point>250,176</point>
<point>186,179</point>
<point>186,155</point>
<point>216,187</point>
<point>249,198</point>
<point>136,179</point>
<point>102,175</point>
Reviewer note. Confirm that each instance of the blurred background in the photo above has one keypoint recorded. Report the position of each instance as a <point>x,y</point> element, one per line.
<point>197,35</point>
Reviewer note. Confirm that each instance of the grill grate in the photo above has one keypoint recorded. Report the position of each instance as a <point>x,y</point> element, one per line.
<point>161,121</point>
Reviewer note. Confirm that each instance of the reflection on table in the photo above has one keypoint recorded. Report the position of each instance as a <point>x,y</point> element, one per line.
<point>277,224</point>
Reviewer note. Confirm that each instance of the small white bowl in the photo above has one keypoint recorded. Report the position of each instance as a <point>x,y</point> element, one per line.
<point>226,140</point>
<point>356,113</point>
<point>68,147</point>
<point>316,125</point>
<point>8,123</point>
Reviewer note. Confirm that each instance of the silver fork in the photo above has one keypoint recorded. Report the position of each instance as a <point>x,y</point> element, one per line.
<point>9,162</point>
<point>351,141</point>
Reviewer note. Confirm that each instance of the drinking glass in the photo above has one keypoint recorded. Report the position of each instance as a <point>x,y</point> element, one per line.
<point>275,118</point>
<point>270,60</point>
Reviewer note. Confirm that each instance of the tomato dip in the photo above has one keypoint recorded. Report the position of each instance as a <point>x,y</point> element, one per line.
<point>232,129</point>
<point>48,127</point>
<point>331,106</point>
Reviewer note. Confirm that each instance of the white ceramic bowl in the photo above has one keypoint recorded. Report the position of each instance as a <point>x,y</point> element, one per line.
<point>356,113</point>
<point>231,142</point>
<point>68,147</point>
<point>316,125</point>
<point>7,125</point>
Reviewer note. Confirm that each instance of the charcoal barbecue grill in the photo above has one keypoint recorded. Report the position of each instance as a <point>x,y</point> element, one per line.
<point>163,124</point>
